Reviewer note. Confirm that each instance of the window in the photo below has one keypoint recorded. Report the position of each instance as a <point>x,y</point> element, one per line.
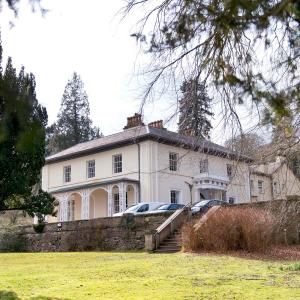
<point>251,185</point>
<point>173,159</point>
<point>276,188</point>
<point>174,195</point>
<point>67,173</point>
<point>229,170</point>
<point>231,200</point>
<point>144,208</point>
<point>260,186</point>
<point>116,203</point>
<point>90,169</point>
<point>204,166</point>
<point>117,163</point>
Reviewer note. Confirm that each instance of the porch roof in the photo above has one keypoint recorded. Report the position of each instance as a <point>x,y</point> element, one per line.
<point>92,185</point>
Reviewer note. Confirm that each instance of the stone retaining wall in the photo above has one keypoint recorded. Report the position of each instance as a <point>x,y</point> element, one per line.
<point>14,217</point>
<point>117,233</point>
<point>287,213</point>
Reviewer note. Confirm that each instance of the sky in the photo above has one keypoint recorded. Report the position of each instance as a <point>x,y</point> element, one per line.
<point>91,38</point>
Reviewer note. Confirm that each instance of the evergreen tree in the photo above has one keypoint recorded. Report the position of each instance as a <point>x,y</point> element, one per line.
<point>22,143</point>
<point>74,124</point>
<point>194,109</point>
<point>248,50</point>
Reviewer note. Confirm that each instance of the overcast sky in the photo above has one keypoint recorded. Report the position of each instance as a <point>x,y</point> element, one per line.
<point>90,38</point>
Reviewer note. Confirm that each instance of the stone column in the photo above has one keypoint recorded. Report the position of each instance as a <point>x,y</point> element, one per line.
<point>85,204</point>
<point>109,201</point>
<point>63,208</point>
<point>122,196</point>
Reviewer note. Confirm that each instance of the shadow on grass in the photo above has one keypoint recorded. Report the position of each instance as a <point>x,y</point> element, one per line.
<point>9,295</point>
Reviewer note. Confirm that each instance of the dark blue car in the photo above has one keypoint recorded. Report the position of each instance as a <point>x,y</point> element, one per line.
<point>204,205</point>
<point>168,207</point>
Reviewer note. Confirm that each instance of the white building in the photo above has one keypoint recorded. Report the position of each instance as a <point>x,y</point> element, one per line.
<point>143,163</point>
<point>273,181</point>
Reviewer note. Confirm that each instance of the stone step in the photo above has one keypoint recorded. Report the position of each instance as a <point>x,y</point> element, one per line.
<point>169,246</point>
<point>170,243</point>
<point>172,239</point>
<point>167,250</point>
<point>166,247</point>
<point>175,236</point>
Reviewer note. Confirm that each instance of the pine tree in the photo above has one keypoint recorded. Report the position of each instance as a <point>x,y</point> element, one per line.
<point>74,124</point>
<point>22,144</point>
<point>194,109</point>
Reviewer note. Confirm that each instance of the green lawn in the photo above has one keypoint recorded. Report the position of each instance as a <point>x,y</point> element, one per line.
<point>103,275</point>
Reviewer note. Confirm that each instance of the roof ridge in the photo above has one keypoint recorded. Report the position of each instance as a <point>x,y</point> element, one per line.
<point>97,139</point>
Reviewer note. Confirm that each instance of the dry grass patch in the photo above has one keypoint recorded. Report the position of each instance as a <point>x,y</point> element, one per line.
<point>248,229</point>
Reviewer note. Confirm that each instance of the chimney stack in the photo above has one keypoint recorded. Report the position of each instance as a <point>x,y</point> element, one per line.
<point>134,121</point>
<point>157,124</point>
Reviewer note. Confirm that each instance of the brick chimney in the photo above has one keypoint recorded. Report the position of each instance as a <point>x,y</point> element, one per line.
<point>134,121</point>
<point>157,124</point>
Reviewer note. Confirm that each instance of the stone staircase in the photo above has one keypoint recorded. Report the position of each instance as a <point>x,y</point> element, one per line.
<point>171,244</point>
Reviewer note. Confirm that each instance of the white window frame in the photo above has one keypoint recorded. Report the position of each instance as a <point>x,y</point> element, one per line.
<point>117,165</point>
<point>173,162</point>
<point>179,196</point>
<point>260,186</point>
<point>66,178</point>
<point>203,166</point>
<point>90,168</point>
<point>276,188</point>
<point>252,185</point>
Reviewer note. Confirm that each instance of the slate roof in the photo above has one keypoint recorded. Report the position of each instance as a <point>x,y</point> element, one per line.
<point>267,169</point>
<point>141,133</point>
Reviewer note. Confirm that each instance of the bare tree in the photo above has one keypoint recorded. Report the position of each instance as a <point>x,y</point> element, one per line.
<point>247,51</point>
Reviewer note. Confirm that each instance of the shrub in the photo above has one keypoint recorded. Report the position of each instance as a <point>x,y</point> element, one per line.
<point>39,227</point>
<point>231,228</point>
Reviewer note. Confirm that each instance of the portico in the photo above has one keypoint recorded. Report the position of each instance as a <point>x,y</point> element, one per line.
<point>96,200</point>
<point>210,187</point>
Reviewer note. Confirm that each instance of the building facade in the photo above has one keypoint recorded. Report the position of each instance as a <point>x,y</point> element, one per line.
<point>143,163</point>
<point>273,181</point>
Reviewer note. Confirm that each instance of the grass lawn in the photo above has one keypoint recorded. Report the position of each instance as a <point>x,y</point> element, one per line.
<point>114,275</point>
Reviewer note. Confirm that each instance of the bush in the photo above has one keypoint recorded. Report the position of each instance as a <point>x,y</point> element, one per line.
<point>231,228</point>
<point>39,227</point>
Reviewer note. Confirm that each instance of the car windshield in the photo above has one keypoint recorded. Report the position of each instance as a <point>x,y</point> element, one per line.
<point>163,207</point>
<point>133,208</point>
<point>202,203</point>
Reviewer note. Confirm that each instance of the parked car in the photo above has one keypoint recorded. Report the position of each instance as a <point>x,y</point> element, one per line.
<point>140,208</point>
<point>204,205</point>
<point>168,207</point>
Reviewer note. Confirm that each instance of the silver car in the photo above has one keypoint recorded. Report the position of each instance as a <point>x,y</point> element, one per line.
<point>140,208</point>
